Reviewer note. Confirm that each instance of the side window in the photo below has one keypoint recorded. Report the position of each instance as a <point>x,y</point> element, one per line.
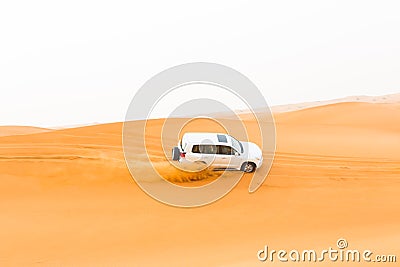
<point>196,149</point>
<point>204,149</point>
<point>225,150</point>
<point>208,149</point>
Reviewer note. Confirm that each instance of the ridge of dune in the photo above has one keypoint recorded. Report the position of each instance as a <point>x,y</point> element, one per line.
<point>393,99</point>
<point>21,130</point>
<point>385,99</point>
<point>348,129</point>
<point>346,113</point>
<point>317,123</point>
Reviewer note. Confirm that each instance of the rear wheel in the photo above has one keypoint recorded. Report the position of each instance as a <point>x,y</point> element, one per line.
<point>248,167</point>
<point>176,153</point>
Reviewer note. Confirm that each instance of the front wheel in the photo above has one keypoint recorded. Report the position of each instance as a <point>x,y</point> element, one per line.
<point>248,167</point>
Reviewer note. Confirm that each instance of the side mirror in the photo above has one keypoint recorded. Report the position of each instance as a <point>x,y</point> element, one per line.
<point>237,153</point>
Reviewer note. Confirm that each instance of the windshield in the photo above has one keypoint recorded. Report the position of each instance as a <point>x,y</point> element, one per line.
<point>237,145</point>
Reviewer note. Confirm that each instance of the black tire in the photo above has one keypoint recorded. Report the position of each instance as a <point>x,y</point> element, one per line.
<point>248,167</point>
<point>176,153</point>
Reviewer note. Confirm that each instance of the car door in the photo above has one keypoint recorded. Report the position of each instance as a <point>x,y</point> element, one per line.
<point>202,153</point>
<point>224,157</point>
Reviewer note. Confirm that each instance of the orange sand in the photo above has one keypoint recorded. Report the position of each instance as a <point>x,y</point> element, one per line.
<point>17,130</point>
<point>67,198</point>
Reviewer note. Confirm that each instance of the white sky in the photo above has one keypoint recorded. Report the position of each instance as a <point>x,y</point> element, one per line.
<point>181,95</point>
<point>74,62</point>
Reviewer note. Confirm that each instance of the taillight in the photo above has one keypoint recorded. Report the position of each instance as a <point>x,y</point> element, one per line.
<point>183,154</point>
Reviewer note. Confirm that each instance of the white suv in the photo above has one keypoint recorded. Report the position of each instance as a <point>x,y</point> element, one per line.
<point>221,151</point>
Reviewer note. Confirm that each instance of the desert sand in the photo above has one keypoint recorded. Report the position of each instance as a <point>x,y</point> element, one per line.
<point>21,130</point>
<point>67,197</point>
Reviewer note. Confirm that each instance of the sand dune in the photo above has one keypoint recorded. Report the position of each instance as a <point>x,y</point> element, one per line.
<point>20,130</point>
<point>385,99</point>
<point>67,198</point>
